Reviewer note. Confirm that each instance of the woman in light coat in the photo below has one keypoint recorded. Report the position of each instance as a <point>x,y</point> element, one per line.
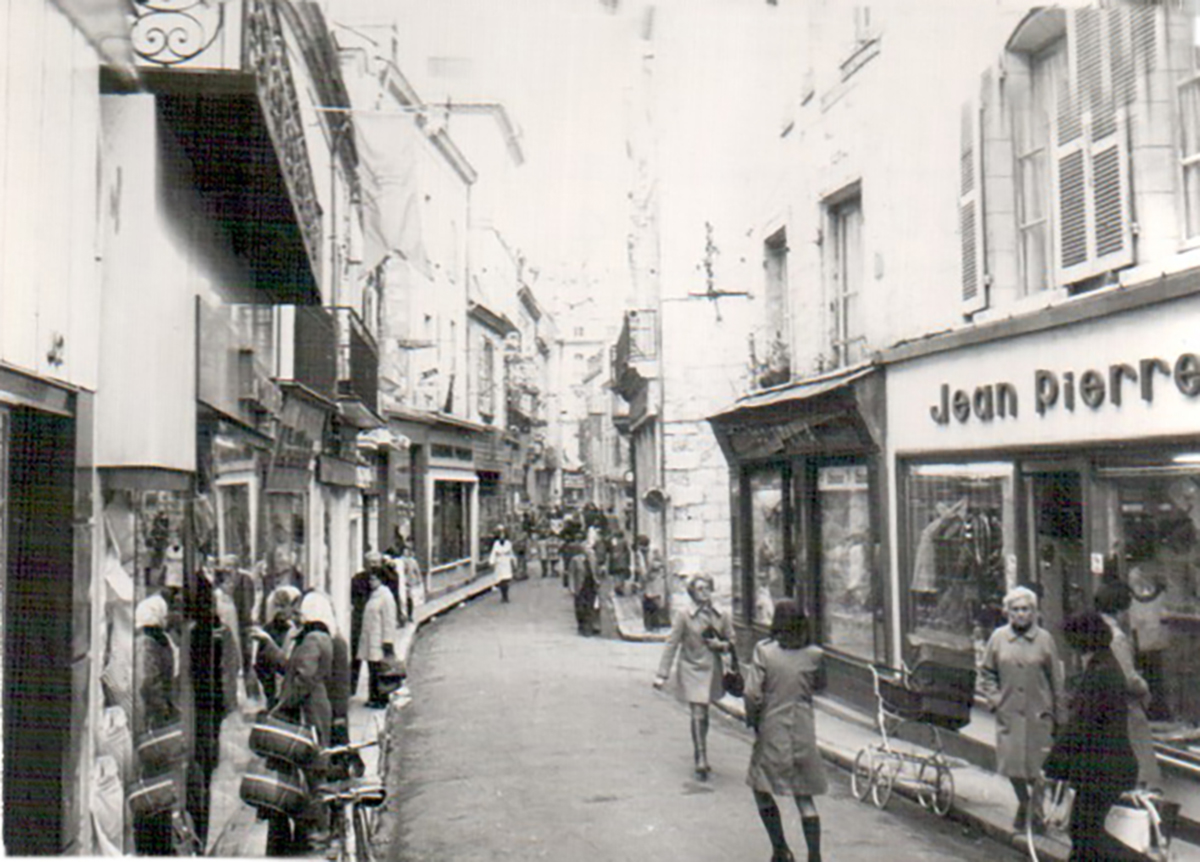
<point>699,636</point>
<point>501,560</point>
<point>1022,678</point>
<point>377,642</point>
<point>784,673</point>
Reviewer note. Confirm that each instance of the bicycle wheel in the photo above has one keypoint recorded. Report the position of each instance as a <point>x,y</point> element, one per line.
<point>885,781</point>
<point>863,773</point>
<point>936,783</point>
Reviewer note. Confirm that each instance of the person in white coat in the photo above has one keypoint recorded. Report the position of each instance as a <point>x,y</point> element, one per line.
<point>501,559</point>
<point>377,643</point>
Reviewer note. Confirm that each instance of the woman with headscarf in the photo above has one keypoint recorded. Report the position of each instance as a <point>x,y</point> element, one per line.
<point>1021,677</point>
<point>282,608</point>
<point>784,673</point>
<point>699,636</point>
<point>304,698</point>
<point>154,673</point>
<point>1093,754</point>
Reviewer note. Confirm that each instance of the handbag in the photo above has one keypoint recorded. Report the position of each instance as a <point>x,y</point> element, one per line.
<point>1136,823</point>
<point>732,680</point>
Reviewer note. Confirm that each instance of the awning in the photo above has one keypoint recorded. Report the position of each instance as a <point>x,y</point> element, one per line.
<point>830,414</point>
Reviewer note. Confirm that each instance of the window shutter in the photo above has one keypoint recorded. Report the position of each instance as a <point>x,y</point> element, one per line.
<point>970,211</point>
<point>1091,157</point>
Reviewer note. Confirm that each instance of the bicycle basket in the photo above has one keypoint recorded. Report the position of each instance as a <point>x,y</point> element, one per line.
<point>281,790</point>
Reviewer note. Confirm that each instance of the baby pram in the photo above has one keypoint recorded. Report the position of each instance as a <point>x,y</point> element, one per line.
<point>935,693</point>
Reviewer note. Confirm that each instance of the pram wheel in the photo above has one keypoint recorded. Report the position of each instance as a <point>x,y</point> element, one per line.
<point>935,787</point>
<point>886,772</point>
<point>862,774</point>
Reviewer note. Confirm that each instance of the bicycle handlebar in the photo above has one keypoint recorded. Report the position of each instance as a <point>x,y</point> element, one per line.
<point>349,747</point>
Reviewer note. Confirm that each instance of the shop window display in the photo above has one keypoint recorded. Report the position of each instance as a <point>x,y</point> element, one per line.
<point>767,536</point>
<point>847,582</point>
<point>1155,512</point>
<point>959,518</point>
<point>451,522</point>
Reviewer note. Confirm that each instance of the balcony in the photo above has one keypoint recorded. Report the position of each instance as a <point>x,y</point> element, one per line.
<point>306,339</point>
<point>357,370</point>
<point>635,355</point>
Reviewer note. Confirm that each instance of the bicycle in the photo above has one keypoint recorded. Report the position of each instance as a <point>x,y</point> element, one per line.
<point>352,802</point>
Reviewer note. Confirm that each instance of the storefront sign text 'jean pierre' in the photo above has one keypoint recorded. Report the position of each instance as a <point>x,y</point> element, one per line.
<point>1053,389</point>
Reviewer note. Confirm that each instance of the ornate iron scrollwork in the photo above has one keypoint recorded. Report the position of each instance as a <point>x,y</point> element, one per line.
<point>169,32</point>
<point>265,56</point>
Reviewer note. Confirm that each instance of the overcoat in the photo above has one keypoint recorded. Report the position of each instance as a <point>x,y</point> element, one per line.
<point>1093,750</point>
<point>305,693</point>
<point>501,559</point>
<point>378,625</point>
<point>1022,676</point>
<point>1138,692</point>
<point>779,692</point>
<point>699,667</point>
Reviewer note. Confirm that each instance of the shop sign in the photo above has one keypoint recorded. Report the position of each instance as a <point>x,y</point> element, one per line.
<point>1053,390</point>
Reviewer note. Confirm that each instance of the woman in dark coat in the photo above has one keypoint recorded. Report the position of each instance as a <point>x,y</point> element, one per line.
<point>1092,753</point>
<point>784,673</point>
<point>699,636</point>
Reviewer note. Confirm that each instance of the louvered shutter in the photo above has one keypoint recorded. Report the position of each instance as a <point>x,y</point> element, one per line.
<point>1091,154</point>
<point>970,211</point>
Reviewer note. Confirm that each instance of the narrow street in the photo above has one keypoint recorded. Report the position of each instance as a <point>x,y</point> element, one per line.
<point>525,741</point>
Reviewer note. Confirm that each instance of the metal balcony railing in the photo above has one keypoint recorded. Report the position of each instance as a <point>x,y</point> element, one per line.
<point>357,361</point>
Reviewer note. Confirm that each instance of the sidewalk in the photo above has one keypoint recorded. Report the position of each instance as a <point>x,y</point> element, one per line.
<point>239,833</point>
<point>981,798</point>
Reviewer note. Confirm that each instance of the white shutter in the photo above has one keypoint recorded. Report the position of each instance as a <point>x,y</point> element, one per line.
<point>971,211</point>
<point>1091,154</point>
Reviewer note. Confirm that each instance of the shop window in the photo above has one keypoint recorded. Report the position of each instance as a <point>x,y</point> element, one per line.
<point>767,525</point>
<point>959,520</point>
<point>285,550</point>
<point>1155,513</point>
<point>451,522</point>
<point>847,560</point>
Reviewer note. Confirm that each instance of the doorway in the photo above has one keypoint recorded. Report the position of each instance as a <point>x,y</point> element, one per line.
<point>1058,560</point>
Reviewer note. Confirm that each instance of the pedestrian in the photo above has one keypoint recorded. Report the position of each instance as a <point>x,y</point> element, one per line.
<point>1021,678</point>
<point>699,636</point>
<point>584,587</point>
<point>1092,753</point>
<point>620,564</point>
<point>654,586</point>
<point>154,672</point>
<point>501,559</point>
<point>377,642</point>
<point>304,698</point>
<point>282,609</point>
<point>1112,600</point>
<point>411,573</point>
<point>783,675</point>
<point>360,594</point>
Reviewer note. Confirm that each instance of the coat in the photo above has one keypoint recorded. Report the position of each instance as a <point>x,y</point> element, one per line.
<point>1093,750</point>
<point>779,693</point>
<point>378,625</point>
<point>304,696</point>
<point>1022,677</point>
<point>501,559</point>
<point>699,667</point>
<point>1138,693</point>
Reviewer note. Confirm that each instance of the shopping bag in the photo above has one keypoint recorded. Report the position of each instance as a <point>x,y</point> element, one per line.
<point>1136,822</point>
<point>1057,799</point>
<point>732,680</point>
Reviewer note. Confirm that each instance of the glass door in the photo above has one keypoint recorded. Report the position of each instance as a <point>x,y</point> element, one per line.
<point>1058,563</point>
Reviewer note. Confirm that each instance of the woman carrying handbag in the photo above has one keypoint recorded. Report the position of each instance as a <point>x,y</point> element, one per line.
<point>780,682</point>
<point>700,635</point>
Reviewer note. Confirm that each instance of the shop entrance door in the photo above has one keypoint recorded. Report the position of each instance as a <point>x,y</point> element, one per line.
<point>1057,562</point>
